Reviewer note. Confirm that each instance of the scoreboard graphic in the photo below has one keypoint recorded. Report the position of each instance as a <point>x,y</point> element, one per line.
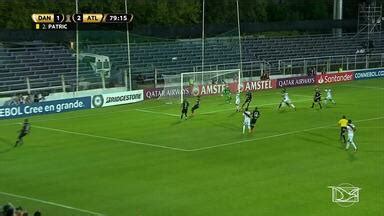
<point>50,21</point>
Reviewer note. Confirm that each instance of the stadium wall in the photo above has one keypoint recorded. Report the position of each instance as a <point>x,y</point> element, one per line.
<point>48,107</point>
<point>369,74</point>
<point>118,98</point>
<point>278,81</point>
<point>127,97</point>
<point>71,104</point>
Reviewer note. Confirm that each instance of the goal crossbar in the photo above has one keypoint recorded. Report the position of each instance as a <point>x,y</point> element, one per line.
<point>215,74</point>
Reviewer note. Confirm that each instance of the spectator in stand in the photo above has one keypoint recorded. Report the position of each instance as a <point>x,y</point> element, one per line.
<point>140,79</point>
<point>264,76</point>
<point>36,98</point>
<point>29,99</point>
<point>20,99</point>
<point>20,211</point>
<point>311,72</point>
<point>8,210</point>
<point>213,81</point>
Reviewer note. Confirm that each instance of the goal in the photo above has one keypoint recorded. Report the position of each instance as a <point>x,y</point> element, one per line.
<point>178,87</point>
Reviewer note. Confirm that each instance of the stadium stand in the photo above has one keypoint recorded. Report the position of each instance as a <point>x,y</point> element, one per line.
<point>45,63</point>
<point>42,63</point>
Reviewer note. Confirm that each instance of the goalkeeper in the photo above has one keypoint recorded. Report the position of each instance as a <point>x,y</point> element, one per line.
<point>227,94</point>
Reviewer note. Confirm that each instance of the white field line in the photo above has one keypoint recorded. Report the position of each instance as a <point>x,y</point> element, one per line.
<point>273,136</point>
<point>109,138</point>
<point>197,149</point>
<point>300,95</point>
<point>361,86</point>
<point>222,110</point>
<point>154,112</point>
<point>82,116</point>
<point>51,203</point>
<point>143,110</point>
<point>261,105</point>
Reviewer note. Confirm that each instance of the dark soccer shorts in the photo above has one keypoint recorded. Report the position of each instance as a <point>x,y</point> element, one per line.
<point>253,123</point>
<point>184,111</point>
<point>195,107</point>
<point>22,134</point>
<point>343,130</point>
<point>317,100</point>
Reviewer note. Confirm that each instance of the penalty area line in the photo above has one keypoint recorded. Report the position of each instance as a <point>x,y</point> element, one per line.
<point>275,135</point>
<point>51,203</point>
<point>110,138</point>
<point>362,86</point>
<point>154,112</point>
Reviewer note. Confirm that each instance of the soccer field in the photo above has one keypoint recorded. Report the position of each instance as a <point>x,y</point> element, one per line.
<point>141,159</point>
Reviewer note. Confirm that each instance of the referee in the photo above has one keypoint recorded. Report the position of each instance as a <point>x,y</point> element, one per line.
<point>343,122</point>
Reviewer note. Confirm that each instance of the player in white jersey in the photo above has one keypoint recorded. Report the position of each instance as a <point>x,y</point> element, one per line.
<point>329,97</point>
<point>286,100</point>
<point>237,102</point>
<point>351,130</point>
<point>247,120</point>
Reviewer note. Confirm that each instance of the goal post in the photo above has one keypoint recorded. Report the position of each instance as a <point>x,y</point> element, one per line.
<point>209,82</point>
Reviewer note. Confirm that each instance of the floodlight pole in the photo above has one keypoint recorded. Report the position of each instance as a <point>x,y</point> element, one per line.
<point>239,32</point>
<point>203,43</point>
<point>77,48</point>
<point>128,51</point>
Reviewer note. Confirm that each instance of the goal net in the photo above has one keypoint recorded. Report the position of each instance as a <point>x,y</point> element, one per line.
<point>184,85</point>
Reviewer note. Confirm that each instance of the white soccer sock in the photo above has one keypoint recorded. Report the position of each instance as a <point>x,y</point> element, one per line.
<point>293,106</point>
<point>353,144</point>
<point>243,129</point>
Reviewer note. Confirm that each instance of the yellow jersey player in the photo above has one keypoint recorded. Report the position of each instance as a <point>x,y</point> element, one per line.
<point>343,123</point>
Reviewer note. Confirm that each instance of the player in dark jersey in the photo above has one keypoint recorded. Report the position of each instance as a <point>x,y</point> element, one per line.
<point>254,116</point>
<point>317,98</point>
<point>184,109</point>
<point>196,106</point>
<point>248,99</point>
<point>23,132</point>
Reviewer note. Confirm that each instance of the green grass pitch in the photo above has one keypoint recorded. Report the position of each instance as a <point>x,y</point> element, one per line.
<point>140,159</point>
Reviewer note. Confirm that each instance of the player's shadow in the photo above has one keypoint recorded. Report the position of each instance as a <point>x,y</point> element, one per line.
<point>351,156</point>
<point>177,122</point>
<point>8,144</point>
<point>311,138</point>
